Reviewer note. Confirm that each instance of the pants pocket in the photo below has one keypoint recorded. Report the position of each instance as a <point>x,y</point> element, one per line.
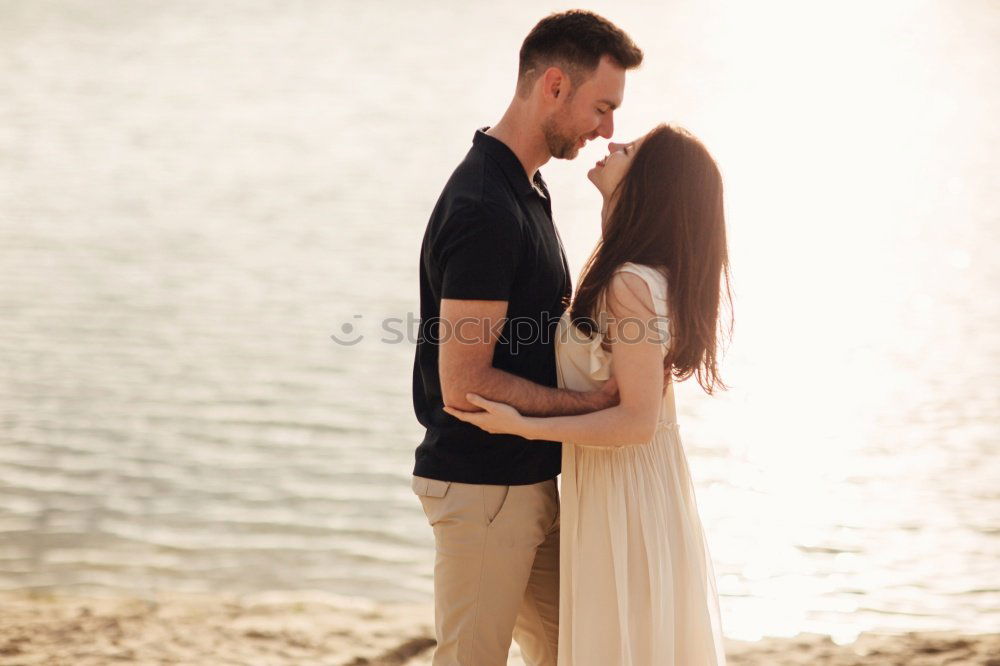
<point>494,500</point>
<point>431,493</point>
<point>429,487</point>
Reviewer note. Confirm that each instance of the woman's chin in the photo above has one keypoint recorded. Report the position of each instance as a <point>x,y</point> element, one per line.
<point>592,176</point>
<point>595,179</point>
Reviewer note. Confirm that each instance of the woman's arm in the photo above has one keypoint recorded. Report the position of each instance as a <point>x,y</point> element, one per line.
<point>465,365</point>
<point>637,365</point>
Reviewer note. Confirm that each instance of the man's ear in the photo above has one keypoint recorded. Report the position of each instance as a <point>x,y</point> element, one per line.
<point>554,83</point>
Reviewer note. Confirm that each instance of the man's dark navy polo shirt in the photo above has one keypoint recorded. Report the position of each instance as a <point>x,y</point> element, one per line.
<point>490,237</point>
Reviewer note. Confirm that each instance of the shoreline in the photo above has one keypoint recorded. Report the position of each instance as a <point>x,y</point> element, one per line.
<point>303,628</point>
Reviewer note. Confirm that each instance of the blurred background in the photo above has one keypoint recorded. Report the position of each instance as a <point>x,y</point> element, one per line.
<point>195,196</point>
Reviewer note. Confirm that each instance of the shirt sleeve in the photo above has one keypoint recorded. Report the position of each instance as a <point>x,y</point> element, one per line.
<point>479,250</point>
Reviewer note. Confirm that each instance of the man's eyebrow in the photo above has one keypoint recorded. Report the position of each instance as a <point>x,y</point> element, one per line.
<point>608,102</point>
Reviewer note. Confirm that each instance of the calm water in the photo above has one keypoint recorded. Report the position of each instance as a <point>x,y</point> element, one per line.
<point>194,197</point>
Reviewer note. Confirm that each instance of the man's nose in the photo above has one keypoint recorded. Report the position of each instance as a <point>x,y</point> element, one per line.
<point>607,127</point>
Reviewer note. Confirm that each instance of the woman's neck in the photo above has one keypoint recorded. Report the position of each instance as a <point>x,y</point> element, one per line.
<point>606,207</point>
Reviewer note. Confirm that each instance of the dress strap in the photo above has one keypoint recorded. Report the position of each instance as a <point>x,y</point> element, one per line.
<point>656,281</point>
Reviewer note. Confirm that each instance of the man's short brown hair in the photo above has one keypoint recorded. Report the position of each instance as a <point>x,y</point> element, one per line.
<point>574,41</point>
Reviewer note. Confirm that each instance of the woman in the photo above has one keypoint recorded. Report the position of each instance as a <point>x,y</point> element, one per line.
<point>637,585</point>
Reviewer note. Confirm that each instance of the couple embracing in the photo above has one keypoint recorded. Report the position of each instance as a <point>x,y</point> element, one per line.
<point>613,568</point>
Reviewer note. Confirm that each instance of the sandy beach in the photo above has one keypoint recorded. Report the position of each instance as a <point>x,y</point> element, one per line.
<point>301,629</point>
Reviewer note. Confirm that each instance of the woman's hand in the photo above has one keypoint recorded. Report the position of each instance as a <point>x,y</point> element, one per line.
<point>496,418</point>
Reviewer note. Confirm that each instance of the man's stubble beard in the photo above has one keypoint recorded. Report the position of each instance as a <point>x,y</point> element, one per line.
<point>559,144</point>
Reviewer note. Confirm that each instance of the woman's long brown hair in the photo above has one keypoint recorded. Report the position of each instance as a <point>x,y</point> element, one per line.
<point>667,212</point>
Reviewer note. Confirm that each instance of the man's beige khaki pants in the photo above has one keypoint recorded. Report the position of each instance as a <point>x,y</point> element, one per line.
<point>496,572</point>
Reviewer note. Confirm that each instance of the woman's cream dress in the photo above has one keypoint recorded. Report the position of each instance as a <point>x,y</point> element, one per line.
<point>637,585</point>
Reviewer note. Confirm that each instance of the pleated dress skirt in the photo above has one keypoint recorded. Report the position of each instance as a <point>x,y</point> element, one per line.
<point>637,585</point>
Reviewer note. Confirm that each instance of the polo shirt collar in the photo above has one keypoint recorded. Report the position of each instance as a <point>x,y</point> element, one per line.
<point>511,166</point>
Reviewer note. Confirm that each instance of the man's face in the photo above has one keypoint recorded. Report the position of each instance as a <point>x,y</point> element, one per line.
<point>586,112</point>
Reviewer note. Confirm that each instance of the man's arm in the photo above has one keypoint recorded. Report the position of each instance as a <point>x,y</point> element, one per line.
<point>469,330</point>
<point>637,362</point>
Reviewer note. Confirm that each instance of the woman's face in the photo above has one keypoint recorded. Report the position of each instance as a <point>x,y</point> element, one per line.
<point>608,172</point>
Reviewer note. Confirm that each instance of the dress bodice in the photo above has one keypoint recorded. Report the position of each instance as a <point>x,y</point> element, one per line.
<point>584,365</point>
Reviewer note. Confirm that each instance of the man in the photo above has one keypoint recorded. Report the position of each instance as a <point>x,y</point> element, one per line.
<point>493,284</point>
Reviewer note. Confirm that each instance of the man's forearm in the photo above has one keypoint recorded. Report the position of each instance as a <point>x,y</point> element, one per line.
<point>533,399</point>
